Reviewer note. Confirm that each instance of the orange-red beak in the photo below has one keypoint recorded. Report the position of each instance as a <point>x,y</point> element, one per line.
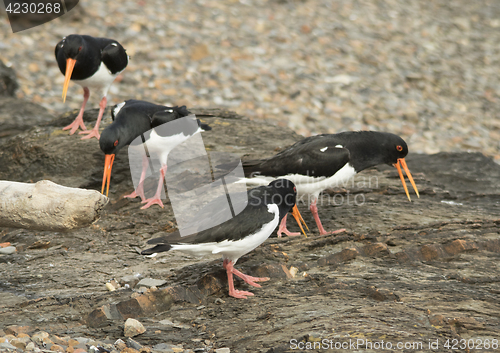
<point>298,217</point>
<point>70,65</point>
<point>408,174</point>
<point>108,164</point>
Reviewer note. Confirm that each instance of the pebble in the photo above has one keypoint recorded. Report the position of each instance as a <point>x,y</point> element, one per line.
<point>222,350</point>
<point>133,328</point>
<point>8,250</point>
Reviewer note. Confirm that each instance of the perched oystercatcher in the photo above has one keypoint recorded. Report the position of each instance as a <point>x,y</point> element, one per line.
<point>323,161</point>
<point>134,118</point>
<point>93,63</point>
<point>266,207</point>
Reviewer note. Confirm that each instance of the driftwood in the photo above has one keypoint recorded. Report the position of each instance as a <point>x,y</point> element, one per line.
<point>48,206</point>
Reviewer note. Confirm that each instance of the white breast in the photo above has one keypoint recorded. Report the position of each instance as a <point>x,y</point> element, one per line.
<point>100,81</point>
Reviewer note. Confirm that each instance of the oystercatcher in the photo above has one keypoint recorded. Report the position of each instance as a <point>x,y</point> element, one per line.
<point>266,207</point>
<point>323,161</point>
<point>93,63</point>
<point>134,118</point>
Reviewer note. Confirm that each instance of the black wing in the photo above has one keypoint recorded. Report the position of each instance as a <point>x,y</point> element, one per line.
<point>320,155</point>
<point>115,57</point>
<point>246,222</point>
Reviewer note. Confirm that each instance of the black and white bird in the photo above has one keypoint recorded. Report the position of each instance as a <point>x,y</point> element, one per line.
<point>93,63</point>
<point>134,118</point>
<point>266,207</point>
<point>329,160</point>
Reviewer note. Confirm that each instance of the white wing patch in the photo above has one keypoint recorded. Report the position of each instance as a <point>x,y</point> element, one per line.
<point>339,146</point>
<point>117,108</point>
<point>114,44</point>
<point>323,149</point>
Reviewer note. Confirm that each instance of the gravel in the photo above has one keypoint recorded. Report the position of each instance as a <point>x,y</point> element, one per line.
<point>425,70</point>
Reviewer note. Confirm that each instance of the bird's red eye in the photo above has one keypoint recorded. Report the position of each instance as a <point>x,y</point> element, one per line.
<point>116,143</point>
<point>294,189</point>
<point>399,148</point>
<point>80,48</point>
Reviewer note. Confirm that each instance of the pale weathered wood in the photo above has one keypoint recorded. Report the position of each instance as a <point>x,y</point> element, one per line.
<point>48,206</point>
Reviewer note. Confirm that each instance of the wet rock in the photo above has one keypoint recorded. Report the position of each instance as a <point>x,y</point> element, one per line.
<point>340,257</point>
<point>132,328</point>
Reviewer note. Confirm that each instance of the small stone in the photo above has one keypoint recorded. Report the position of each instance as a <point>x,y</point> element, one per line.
<point>18,344</point>
<point>60,341</point>
<point>17,330</point>
<point>80,350</point>
<point>73,342</point>
<point>150,282</point>
<point>133,344</point>
<point>145,350</point>
<point>222,350</point>
<point>133,328</point>
<point>57,348</point>
<point>7,345</point>
<point>30,346</point>
<point>110,287</point>
<point>130,350</point>
<point>8,250</point>
<point>39,336</point>
<point>120,344</point>
<point>70,349</point>
<point>131,280</point>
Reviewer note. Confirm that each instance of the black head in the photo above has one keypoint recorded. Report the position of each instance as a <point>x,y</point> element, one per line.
<point>111,140</point>
<point>284,194</point>
<point>394,148</point>
<point>72,46</point>
<point>371,148</point>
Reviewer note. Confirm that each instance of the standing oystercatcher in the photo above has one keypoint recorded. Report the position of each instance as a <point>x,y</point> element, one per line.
<point>324,161</point>
<point>134,118</point>
<point>266,207</point>
<point>93,63</point>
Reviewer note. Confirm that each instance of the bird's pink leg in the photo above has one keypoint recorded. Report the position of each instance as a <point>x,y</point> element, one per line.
<point>283,229</point>
<point>140,188</point>
<point>229,266</point>
<point>78,122</point>
<point>156,198</point>
<point>322,231</point>
<point>95,131</point>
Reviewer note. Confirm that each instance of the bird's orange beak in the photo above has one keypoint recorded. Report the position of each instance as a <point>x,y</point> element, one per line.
<point>408,174</point>
<point>108,164</point>
<point>70,65</point>
<point>298,217</point>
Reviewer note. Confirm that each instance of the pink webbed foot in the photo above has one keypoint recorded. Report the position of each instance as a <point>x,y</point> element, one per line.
<point>90,133</point>
<point>240,294</point>
<point>151,202</point>
<point>77,123</point>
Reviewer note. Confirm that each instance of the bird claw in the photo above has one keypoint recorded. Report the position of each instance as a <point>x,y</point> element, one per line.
<point>77,123</point>
<point>90,134</point>
<point>240,294</point>
<point>151,202</point>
